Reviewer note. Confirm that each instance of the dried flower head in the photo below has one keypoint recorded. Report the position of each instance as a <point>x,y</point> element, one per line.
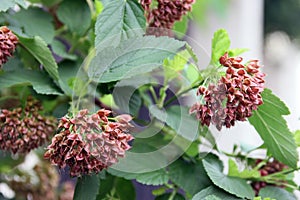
<point>8,42</point>
<point>24,129</point>
<point>161,18</point>
<point>40,184</point>
<point>89,143</point>
<point>235,95</point>
<point>270,167</point>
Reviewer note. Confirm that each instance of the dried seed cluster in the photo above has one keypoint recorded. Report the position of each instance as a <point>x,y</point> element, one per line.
<point>235,95</point>
<point>8,42</point>
<point>43,186</point>
<point>24,129</point>
<point>162,18</point>
<point>270,168</point>
<point>89,143</point>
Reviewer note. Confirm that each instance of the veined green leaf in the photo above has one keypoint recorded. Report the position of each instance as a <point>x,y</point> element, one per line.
<point>191,177</point>
<point>272,127</point>
<point>38,80</point>
<point>132,58</point>
<point>75,14</point>
<point>7,4</point>
<point>87,187</point>
<point>246,173</point>
<point>220,44</point>
<point>216,192</point>
<point>118,21</point>
<point>38,48</point>
<point>32,20</point>
<point>232,185</point>
<point>276,193</point>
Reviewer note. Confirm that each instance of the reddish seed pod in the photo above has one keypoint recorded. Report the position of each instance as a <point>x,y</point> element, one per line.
<point>92,144</point>
<point>234,97</point>
<point>8,42</point>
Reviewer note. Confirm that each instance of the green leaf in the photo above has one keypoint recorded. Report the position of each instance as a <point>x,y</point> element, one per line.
<point>38,48</point>
<point>7,4</point>
<point>176,64</point>
<point>158,177</point>
<point>273,129</point>
<point>60,49</point>
<point>179,119</point>
<point>87,187</point>
<point>246,173</point>
<point>106,186</point>
<point>75,14</point>
<point>68,70</point>
<point>50,3</point>
<point>237,51</point>
<point>32,20</point>
<point>119,20</point>
<point>168,195</point>
<point>40,82</point>
<point>276,193</point>
<point>127,99</point>
<point>98,7</point>
<point>232,185</point>
<point>132,58</point>
<point>276,103</point>
<point>124,189</point>
<point>191,177</point>
<point>22,3</point>
<point>297,137</point>
<point>220,44</point>
<point>216,192</point>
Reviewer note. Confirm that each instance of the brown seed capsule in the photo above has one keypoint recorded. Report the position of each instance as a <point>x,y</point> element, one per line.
<point>24,129</point>
<point>8,42</point>
<point>235,95</point>
<point>89,143</point>
<point>161,19</point>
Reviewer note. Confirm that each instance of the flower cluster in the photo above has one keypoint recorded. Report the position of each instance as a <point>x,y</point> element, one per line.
<point>89,143</point>
<point>162,18</point>
<point>40,184</point>
<point>8,42</point>
<point>270,168</point>
<point>235,95</point>
<point>24,129</point>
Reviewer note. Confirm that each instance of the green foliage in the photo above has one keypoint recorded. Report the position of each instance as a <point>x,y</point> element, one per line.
<point>220,45</point>
<point>119,20</point>
<point>175,65</point>
<point>246,173</point>
<point>38,80</point>
<point>38,48</point>
<point>213,192</point>
<point>297,137</point>
<point>32,19</point>
<point>167,196</point>
<point>130,58</point>
<point>276,193</point>
<point>179,120</point>
<point>158,177</point>
<point>60,49</point>
<point>272,127</point>
<point>75,15</point>
<point>87,187</point>
<point>232,185</point>
<point>4,6</point>
<point>190,176</point>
